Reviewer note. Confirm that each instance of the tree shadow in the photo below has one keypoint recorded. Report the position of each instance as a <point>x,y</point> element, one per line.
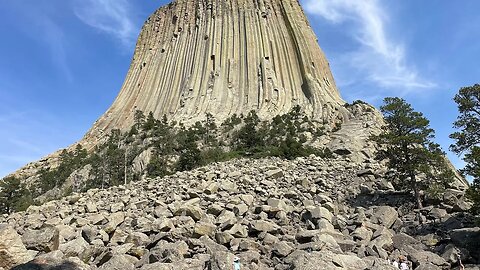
<point>394,199</point>
<point>423,224</point>
<point>42,266</point>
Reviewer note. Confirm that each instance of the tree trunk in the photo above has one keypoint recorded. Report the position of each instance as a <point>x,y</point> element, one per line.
<point>416,190</point>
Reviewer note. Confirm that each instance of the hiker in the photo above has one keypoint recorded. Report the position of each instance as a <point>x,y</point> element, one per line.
<point>460,264</point>
<point>236,263</point>
<point>395,264</point>
<point>404,263</point>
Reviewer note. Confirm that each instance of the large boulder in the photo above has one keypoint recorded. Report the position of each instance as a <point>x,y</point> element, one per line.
<point>426,259</point>
<point>468,238</point>
<point>43,240</point>
<point>114,220</point>
<point>118,262</point>
<point>168,252</point>
<point>221,260</point>
<point>53,261</point>
<point>77,248</point>
<point>318,212</point>
<point>386,215</point>
<point>192,211</point>
<point>12,250</point>
<point>326,260</point>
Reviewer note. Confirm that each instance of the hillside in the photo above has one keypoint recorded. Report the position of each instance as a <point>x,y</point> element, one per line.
<point>308,213</point>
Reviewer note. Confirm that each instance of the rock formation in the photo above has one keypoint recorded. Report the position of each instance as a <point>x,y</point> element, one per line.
<point>309,213</point>
<point>224,57</point>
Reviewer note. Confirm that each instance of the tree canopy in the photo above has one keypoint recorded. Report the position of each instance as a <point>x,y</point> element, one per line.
<point>406,142</point>
<point>467,138</point>
<point>13,195</point>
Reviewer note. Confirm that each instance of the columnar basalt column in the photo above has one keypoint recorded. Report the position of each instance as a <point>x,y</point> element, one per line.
<point>224,57</point>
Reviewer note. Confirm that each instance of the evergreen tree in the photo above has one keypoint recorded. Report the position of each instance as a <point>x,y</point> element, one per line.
<point>69,162</point>
<point>210,130</point>
<point>150,122</point>
<point>13,195</point>
<point>190,155</point>
<point>406,142</point>
<point>158,166</point>
<point>230,123</point>
<point>114,159</point>
<point>248,138</point>
<point>139,119</point>
<point>467,139</point>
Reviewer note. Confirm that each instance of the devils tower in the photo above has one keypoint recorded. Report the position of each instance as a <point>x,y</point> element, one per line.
<point>223,57</point>
<point>304,190</point>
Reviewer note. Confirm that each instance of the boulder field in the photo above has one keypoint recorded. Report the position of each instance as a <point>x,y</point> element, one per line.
<point>308,213</point>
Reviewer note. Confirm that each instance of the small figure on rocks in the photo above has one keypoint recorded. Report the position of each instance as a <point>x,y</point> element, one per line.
<point>404,263</point>
<point>395,264</point>
<point>236,263</point>
<point>460,264</point>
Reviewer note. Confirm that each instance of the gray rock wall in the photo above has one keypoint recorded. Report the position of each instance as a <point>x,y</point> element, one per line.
<point>225,57</point>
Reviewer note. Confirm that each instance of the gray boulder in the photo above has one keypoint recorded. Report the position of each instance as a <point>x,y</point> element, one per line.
<point>468,238</point>
<point>118,262</point>
<point>43,240</point>
<point>386,215</point>
<point>12,250</point>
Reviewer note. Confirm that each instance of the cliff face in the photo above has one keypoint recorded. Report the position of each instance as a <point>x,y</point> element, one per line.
<point>225,57</point>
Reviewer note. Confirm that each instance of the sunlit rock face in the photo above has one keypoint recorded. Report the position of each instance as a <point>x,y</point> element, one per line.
<point>223,57</point>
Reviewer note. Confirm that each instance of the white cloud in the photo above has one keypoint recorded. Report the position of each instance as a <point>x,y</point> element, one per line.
<point>54,36</point>
<point>110,16</point>
<point>380,59</point>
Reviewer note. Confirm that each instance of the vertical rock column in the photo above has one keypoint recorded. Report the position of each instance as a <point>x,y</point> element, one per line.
<point>225,57</point>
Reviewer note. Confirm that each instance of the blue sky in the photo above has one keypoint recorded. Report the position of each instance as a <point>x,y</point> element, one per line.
<point>64,61</point>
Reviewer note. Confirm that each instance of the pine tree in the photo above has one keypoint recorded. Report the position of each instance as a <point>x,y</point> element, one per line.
<point>139,119</point>
<point>467,139</point>
<point>149,123</point>
<point>190,155</point>
<point>406,142</point>
<point>248,137</point>
<point>11,195</point>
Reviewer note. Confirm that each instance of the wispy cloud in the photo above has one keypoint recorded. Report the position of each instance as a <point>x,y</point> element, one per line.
<point>54,36</point>
<point>378,58</point>
<point>110,16</point>
<point>26,136</point>
<point>44,29</point>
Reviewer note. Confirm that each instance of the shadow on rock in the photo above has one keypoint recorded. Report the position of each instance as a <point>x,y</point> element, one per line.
<point>42,266</point>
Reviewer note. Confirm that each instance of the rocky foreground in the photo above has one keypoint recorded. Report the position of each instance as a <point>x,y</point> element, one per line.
<point>309,213</point>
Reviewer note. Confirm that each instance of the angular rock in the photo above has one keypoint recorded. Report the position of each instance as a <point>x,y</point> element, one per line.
<point>263,226</point>
<point>192,211</point>
<point>168,252</point>
<point>315,213</point>
<point>275,173</point>
<point>427,257</point>
<point>386,215</point>
<point>114,220</point>
<point>12,250</point>
<point>203,228</point>
<point>282,249</point>
<point>468,238</point>
<point>77,248</point>
<point>118,262</point>
<point>43,240</point>
<point>223,238</point>
<point>363,234</point>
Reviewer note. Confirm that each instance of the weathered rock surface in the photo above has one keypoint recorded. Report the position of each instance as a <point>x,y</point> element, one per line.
<point>225,57</point>
<point>181,222</point>
<point>12,250</point>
